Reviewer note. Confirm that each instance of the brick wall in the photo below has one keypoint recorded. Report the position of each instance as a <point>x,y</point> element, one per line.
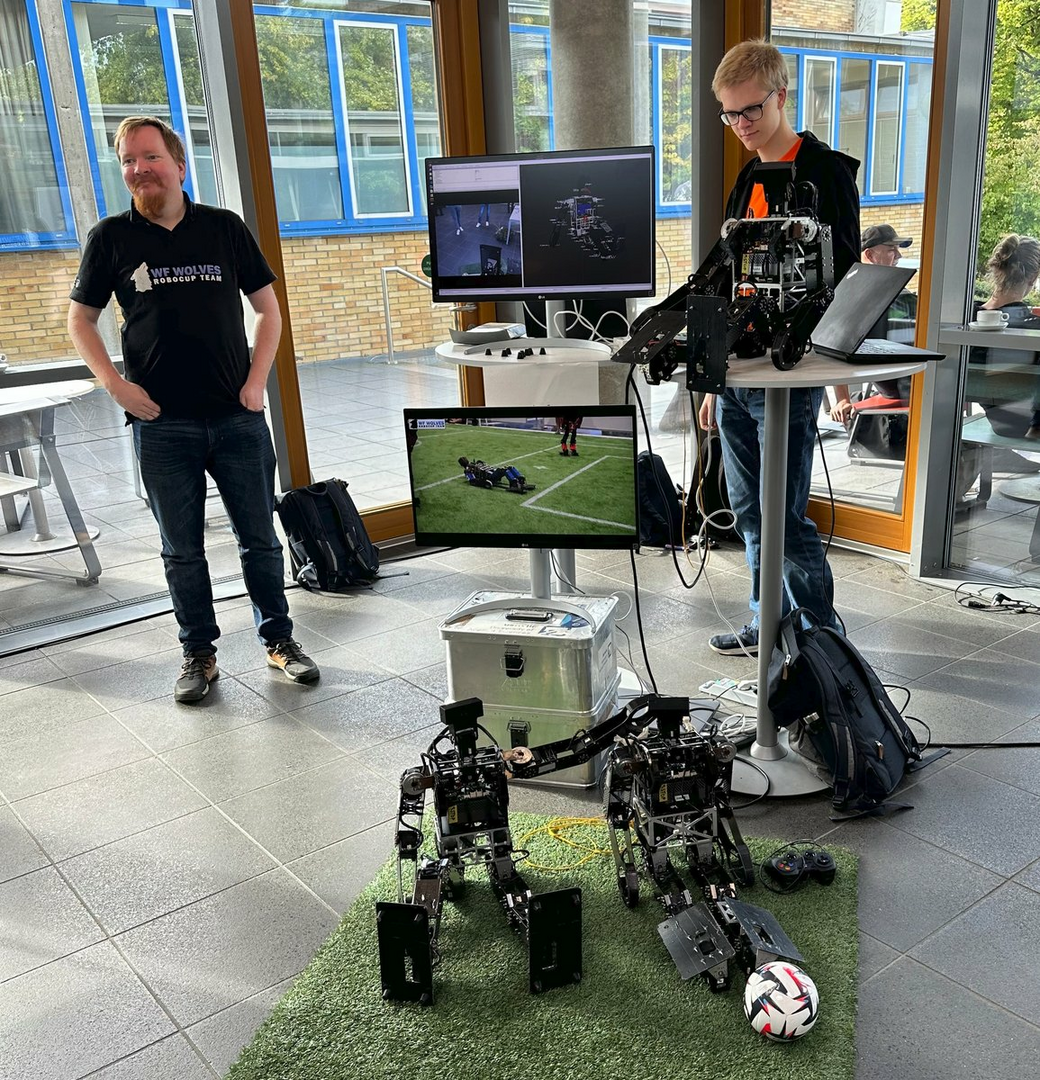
<point>334,287</point>
<point>835,15</point>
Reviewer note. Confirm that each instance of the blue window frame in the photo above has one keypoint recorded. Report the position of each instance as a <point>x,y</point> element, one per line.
<point>878,112</point>
<point>36,211</point>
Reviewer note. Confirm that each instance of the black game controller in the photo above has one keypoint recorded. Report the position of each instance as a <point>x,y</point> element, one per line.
<point>792,869</point>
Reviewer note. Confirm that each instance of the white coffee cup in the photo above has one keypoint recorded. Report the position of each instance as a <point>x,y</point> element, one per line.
<point>994,317</point>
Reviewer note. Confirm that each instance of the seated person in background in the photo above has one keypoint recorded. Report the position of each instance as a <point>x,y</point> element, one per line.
<point>880,245</point>
<point>480,474</point>
<point>1010,397</point>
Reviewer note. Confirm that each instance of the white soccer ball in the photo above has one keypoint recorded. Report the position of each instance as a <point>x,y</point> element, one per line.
<point>781,1001</point>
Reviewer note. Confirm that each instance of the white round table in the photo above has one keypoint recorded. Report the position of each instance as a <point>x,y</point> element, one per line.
<point>787,775</point>
<point>568,373</point>
<point>26,417</point>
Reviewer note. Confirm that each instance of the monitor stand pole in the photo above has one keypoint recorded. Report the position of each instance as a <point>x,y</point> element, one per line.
<point>541,572</point>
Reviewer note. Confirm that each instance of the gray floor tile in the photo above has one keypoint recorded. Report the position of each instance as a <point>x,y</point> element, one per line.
<point>993,949</point>
<point>976,817</point>
<point>347,618</point>
<point>93,654</point>
<point>873,956</point>
<point>934,885</point>
<point>315,809</point>
<point>76,1015</point>
<point>251,757</point>
<point>991,678</point>
<point>342,671</point>
<point>339,872</point>
<point>163,724</point>
<point>72,819</point>
<point>432,679</point>
<point>390,759</point>
<point>37,763</point>
<point>222,1036</point>
<point>19,853</point>
<point>221,950</point>
<point>33,670</point>
<point>943,615</point>
<point>953,718</point>
<point>161,869</point>
<point>173,1058</point>
<point>372,715</point>
<point>906,649</point>
<point>407,649</point>
<point>1024,644</point>
<point>853,595</point>
<point>43,920</point>
<point>42,709</point>
<point>904,1029</point>
<point>133,681</point>
<point>1019,766</point>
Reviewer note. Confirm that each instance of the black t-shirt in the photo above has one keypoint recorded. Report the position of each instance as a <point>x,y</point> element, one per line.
<point>183,335</point>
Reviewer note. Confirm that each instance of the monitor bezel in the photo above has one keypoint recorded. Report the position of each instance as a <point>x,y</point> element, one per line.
<point>520,293</point>
<point>562,539</point>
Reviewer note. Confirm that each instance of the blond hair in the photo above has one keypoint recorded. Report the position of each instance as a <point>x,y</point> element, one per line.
<point>1015,263</point>
<point>754,59</point>
<point>173,141</point>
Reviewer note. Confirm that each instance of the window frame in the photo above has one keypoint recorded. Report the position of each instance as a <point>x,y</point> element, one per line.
<point>676,208</point>
<point>56,239</point>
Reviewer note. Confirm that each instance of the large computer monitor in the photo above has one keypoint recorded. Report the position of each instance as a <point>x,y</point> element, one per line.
<point>557,225</point>
<point>516,488</point>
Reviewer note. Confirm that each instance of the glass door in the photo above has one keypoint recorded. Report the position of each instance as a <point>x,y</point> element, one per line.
<point>862,76</point>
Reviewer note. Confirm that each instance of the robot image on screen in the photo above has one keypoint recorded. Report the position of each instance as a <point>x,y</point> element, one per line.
<point>583,216</point>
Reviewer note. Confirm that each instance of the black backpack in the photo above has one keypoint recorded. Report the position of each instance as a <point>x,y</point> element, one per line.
<point>660,502</point>
<point>328,546</point>
<point>821,687</point>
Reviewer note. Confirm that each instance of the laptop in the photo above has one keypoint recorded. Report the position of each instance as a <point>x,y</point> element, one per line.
<point>862,296</point>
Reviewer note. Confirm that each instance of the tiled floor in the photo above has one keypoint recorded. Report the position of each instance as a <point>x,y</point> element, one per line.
<point>165,871</point>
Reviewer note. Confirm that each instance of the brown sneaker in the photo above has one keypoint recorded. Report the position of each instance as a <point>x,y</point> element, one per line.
<point>197,672</point>
<point>290,657</point>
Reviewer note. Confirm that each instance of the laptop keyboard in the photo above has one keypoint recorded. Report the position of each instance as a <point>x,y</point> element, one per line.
<point>879,346</point>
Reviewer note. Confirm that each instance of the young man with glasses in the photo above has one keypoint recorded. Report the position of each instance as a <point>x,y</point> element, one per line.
<point>751,86</point>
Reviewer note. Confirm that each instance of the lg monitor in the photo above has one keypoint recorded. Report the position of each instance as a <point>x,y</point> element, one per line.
<point>524,477</point>
<point>557,225</point>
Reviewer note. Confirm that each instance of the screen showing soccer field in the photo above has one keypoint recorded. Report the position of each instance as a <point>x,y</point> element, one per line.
<point>515,477</point>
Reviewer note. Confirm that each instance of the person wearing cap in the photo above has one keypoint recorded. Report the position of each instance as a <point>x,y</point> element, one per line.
<point>882,246</point>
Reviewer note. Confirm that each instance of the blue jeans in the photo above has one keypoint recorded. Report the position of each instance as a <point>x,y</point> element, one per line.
<point>741,418</point>
<point>236,451</point>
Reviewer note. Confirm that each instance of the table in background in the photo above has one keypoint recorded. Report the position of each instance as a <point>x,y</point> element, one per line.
<point>27,421</point>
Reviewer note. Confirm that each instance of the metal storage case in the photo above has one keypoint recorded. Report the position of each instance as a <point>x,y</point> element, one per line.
<point>544,669</point>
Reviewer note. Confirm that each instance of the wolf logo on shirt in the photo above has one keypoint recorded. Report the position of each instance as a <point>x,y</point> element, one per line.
<point>142,282</point>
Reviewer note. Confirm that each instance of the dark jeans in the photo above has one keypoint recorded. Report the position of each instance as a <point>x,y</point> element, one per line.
<point>741,418</point>
<point>236,451</point>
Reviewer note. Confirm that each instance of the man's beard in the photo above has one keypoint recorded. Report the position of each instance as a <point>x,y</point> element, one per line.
<point>150,203</point>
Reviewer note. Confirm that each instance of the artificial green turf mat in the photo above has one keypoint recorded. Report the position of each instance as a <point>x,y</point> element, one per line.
<point>631,1016</point>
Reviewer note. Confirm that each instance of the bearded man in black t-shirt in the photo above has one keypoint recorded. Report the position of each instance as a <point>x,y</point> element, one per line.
<point>192,392</point>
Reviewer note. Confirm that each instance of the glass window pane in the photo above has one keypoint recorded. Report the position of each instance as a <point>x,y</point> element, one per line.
<point>791,107</point>
<point>530,61</point>
<point>887,108</point>
<point>819,95</point>
<point>675,125</point>
<point>294,70</point>
<point>426,125</point>
<point>371,88</point>
<point>123,72</point>
<point>200,150</point>
<point>30,200</point>
<point>852,113</point>
<point>918,107</point>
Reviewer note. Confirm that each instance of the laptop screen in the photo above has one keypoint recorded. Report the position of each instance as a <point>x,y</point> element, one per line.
<point>861,297</point>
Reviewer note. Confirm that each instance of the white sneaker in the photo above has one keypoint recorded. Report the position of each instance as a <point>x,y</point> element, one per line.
<point>458,231</point>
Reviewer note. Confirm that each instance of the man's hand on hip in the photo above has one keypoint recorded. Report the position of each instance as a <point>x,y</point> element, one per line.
<point>252,397</point>
<point>134,399</point>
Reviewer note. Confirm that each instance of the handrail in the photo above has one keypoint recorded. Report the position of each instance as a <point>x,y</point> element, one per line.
<point>384,271</point>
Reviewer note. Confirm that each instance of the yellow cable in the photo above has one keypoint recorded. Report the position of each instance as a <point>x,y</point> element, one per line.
<point>555,829</point>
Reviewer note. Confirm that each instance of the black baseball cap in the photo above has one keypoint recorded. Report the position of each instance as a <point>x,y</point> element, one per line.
<point>875,235</point>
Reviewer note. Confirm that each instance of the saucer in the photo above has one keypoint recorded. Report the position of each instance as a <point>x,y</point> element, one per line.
<point>985,326</point>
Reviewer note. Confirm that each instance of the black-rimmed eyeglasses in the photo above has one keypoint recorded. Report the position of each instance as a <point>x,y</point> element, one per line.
<point>752,113</point>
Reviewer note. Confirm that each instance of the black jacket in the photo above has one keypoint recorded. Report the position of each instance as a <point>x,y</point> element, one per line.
<point>834,175</point>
